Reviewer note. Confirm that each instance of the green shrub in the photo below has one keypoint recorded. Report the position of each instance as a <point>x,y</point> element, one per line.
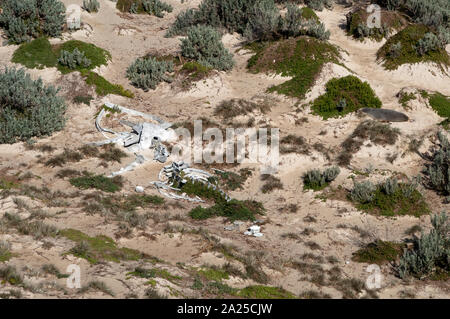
<point>438,171</point>
<point>147,72</point>
<point>26,19</point>
<point>91,5</point>
<point>317,180</point>
<point>204,45</point>
<point>431,251</point>
<point>28,108</point>
<point>353,91</point>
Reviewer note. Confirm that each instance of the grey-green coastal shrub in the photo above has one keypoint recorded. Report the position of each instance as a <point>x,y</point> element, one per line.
<point>74,59</point>
<point>27,19</point>
<point>145,73</point>
<point>254,19</point>
<point>316,30</point>
<point>28,108</point>
<point>363,192</point>
<point>156,7</point>
<point>319,5</point>
<point>317,180</point>
<point>204,45</point>
<point>430,42</point>
<point>91,5</point>
<point>438,171</point>
<point>430,251</point>
<point>232,15</point>
<point>263,21</point>
<point>292,22</point>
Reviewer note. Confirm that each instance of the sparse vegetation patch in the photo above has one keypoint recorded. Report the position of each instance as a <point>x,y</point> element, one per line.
<point>98,249</point>
<point>100,182</point>
<point>300,58</point>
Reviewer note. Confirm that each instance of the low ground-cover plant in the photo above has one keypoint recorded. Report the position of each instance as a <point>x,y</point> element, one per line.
<point>27,19</point>
<point>28,108</point>
<point>343,96</point>
<point>316,179</point>
<point>378,252</point>
<point>300,58</point>
<point>430,257</point>
<point>233,210</point>
<point>389,198</point>
<point>98,249</point>
<point>440,104</point>
<point>99,182</point>
<point>230,208</point>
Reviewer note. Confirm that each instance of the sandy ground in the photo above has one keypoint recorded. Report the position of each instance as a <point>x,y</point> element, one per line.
<point>128,37</point>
